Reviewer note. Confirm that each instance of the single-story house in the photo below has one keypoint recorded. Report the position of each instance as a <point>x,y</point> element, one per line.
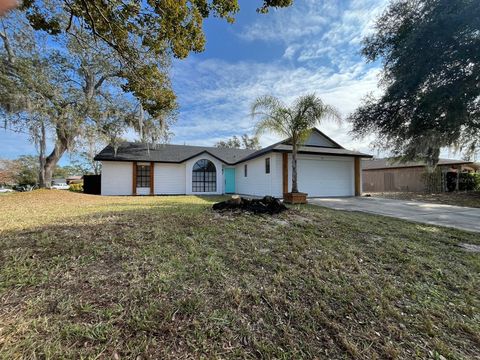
<point>324,169</point>
<point>387,175</point>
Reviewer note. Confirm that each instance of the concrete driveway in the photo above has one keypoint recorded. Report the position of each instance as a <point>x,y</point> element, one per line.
<point>459,217</point>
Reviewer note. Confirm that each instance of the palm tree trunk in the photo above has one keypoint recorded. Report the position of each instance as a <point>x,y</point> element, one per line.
<point>294,166</point>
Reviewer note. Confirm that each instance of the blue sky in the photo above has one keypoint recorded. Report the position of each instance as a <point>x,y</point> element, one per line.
<point>312,46</point>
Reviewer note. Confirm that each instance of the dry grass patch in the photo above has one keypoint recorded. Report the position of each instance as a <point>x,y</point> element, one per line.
<point>165,277</point>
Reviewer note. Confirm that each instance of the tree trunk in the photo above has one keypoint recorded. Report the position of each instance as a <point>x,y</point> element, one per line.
<point>457,183</point>
<point>294,166</point>
<point>51,162</point>
<point>41,156</point>
<point>96,167</point>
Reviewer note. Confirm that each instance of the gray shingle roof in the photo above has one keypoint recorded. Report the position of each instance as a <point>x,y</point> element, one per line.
<point>318,150</point>
<point>387,163</point>
<point>129,151</point>
<point>179,153</point>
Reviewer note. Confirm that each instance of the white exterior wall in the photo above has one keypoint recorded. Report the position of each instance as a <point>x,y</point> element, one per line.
<point>257,182</point>
<point>188,175</point>
<point>116,178</point>
<point>169,179</point>
<point>323,175</point>
<point>277,179</point>
<point>318,175</point>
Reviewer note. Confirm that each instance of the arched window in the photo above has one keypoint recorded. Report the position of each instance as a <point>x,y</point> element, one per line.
<point>204,176</point>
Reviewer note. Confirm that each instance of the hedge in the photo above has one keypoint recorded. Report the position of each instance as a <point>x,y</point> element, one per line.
<point>469,182</point>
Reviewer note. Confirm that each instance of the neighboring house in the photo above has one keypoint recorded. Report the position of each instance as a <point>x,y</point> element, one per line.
<point>385,175</point>
<point>324,169</point>
<point>74,179</point>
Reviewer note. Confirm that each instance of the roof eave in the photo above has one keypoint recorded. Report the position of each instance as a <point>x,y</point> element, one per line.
<point>360,155</point>
<point>100,158</point>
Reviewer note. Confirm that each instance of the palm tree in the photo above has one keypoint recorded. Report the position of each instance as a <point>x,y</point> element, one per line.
<point>295,122</point>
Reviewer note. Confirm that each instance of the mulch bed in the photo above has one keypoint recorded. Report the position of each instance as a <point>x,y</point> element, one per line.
<point>266,205</point>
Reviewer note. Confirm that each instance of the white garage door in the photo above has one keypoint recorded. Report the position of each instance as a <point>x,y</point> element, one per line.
<point>326,177</point>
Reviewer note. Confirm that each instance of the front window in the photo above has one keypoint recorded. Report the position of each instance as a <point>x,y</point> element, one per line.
<point>245,170</point>
<point>267,166</point>
<point>143,176</point>
<point>204,176</point>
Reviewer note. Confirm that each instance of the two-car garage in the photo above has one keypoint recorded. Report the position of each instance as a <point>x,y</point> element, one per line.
<point>321,176</point>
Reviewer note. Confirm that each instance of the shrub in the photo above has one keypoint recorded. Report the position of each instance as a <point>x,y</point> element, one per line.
<point>469,182</point>
<point>76,187</point>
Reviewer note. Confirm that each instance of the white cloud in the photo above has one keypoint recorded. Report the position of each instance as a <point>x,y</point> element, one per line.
<point>314,30</point>
<point>305,18</point>
<point>215,96</point>
<point>321,41</point>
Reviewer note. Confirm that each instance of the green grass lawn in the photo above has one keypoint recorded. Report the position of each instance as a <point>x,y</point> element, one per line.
<point>165,277</point>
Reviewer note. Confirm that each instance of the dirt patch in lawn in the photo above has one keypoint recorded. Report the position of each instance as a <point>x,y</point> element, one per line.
<point>266,205</point>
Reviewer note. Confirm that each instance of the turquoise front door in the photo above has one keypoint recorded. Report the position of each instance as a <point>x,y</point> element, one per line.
<point>229,180</point>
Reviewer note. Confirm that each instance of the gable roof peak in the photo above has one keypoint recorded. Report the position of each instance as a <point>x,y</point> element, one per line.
<point>318,132</point>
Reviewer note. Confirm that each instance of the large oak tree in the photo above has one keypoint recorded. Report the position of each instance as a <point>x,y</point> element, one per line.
<point>74,88</point>
<point>175,26</point>
<point>134,28</point>
<point>430,51</point>
<point>94,64</point>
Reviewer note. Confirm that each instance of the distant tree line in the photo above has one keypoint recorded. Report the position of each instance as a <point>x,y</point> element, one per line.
<point>25,171</point>
<point>243,142</point>
<point>73,71</point>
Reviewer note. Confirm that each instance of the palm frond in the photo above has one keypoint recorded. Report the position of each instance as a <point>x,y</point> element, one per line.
<point>310,111</point>
<point>272,116</point>
<point>265,104</point>
<point>294,122</point>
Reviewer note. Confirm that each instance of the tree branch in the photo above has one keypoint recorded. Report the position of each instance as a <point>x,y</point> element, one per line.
<point>6,45</point>
<point>105,77</point>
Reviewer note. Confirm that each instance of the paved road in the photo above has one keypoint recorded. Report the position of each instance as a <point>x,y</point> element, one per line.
<point>459,217</point>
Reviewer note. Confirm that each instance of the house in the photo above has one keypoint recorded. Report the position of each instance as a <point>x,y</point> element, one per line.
<point>74,179</point>
<point>385,175</point>
<point>324,169</point>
